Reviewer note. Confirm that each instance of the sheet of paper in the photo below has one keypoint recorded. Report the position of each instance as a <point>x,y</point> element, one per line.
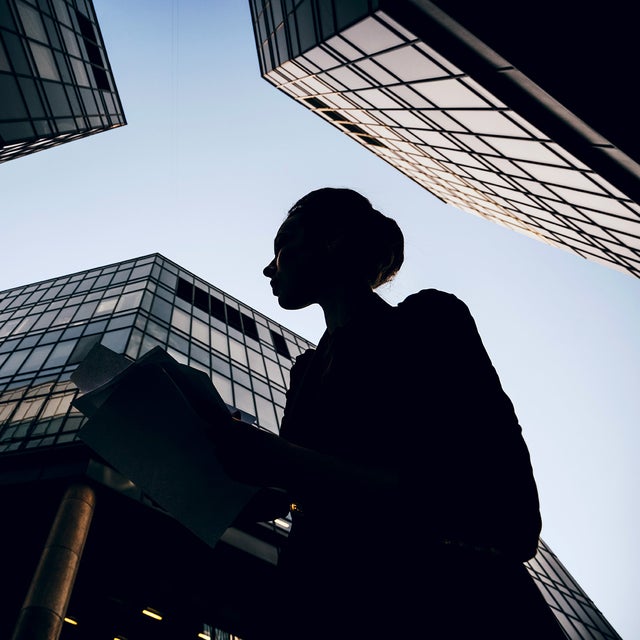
<point>146,429</point>
<point>100,366</point>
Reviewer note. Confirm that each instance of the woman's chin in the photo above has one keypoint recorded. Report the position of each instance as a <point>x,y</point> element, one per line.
<point>292,304</point>
<point>287,305</point>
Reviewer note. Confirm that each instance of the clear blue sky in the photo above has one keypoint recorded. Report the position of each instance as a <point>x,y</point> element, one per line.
<point>204,172</point>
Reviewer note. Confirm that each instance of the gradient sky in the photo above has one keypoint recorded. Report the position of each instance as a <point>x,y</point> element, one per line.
<point>211,159</point>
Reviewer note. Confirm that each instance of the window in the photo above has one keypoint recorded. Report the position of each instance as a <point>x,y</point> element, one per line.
<point>93,51</point>
<point>233,316</point>
<point>249,325</point>
<point>184,290</point>
<point>280,344</point>
<point>200,299</point>
<point>61,353</point>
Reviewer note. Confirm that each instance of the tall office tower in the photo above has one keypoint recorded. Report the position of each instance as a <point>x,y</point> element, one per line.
<point>55,79</point>
<point>519,113</point>
<point>57,494</point>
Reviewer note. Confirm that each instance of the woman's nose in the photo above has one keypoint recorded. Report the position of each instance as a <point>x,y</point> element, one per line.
<point>270,269</point>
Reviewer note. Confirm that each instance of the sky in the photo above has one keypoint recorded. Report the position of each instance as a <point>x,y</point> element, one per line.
<point>204,172</point>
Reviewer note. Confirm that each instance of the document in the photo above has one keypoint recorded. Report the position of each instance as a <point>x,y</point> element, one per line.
<point>146,420</point>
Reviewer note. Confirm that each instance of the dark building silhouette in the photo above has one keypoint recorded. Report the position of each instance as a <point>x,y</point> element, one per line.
<point>132,555</point>
<point>56,83</point>
<point>522,114</point>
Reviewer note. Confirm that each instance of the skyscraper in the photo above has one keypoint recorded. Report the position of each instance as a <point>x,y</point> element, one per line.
<point>55,78</point>
<point>135,556</point>
<point>495,108</point>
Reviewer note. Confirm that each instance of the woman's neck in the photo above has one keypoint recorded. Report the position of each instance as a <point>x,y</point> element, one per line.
<point>346,302</point>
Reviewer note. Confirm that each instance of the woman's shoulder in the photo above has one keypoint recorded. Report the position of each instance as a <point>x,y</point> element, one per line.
<point>302,361</point>
<point>300,365</point>
<point>432,303</point>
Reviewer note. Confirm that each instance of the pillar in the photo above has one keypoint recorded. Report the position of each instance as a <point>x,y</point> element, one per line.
<point>42,614</point>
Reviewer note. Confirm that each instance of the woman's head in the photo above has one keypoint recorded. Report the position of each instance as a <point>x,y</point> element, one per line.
<point>365,242</point>
<point>333,234</point>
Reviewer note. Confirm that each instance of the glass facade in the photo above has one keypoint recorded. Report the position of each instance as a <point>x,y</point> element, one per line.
<point>55,79</point>
<point>46,328</point>
<point>400,95</point>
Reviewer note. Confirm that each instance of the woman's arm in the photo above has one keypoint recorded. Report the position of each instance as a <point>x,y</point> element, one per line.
<point>282,469</point>
<point>262,458</point>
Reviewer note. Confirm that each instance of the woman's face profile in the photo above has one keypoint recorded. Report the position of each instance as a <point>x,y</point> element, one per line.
<point>296,271</point>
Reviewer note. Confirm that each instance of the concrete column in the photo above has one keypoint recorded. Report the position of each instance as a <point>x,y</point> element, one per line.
<point>42,614</point>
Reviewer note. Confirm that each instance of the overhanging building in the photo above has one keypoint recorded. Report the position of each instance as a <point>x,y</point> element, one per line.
<point>521,113</point>
<point>135,556</point>
<point>56,83</point>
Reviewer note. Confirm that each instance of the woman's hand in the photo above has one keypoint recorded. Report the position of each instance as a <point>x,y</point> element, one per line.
<point>247,453</point>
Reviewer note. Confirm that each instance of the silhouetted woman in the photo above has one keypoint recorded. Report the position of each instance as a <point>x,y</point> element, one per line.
<point>415,504</point>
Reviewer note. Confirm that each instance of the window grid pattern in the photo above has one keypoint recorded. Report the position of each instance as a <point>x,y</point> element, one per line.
<point>578,615</point>
<point>376,82</point>
<point>47,328</point>
<point>248,356</point>
<point>55,79</point>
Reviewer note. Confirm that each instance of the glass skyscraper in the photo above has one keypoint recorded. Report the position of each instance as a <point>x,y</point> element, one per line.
<point>495,108</point>
<point>135,556</point>
<point>56,83</point>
